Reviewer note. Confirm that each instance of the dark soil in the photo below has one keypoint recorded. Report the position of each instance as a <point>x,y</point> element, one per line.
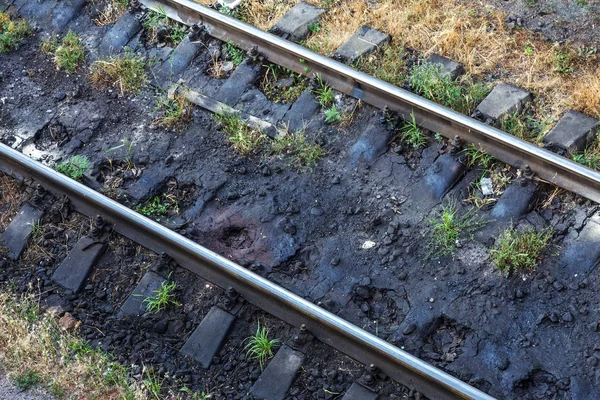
<point>558,20</point>
<point>528,336</point>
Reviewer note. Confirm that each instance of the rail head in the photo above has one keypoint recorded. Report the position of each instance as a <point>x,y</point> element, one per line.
<point>327,327</point>
<point>547,166</point>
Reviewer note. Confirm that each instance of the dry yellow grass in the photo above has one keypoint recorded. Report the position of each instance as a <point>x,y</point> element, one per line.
<point>32,347</point>
<point>466,31</point>
<point>11,197</point>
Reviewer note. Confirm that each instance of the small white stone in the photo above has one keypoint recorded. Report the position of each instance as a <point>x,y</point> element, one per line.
<point>486,186</point>
<point>369,244</point>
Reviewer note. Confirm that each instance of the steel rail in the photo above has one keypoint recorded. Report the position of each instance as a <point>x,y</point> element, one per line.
<point>548,166</point>
<point>325,326</point>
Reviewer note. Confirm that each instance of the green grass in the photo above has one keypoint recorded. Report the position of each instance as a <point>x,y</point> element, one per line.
<point>589,158</point>
<point>519,251</point>
<point>260,347</point>
<point>478,157</point>
<point>235,54</point>
<point>304,153</point>
<point>272,88</point>
<point>157,18</point>
<point>432,82</point>
<point>243,138</point>
<point>563,62</point>
<point>27,380</point>
<point>324,93</point>
<point>68,54</point>
<point>412,134</point>
<point>332,114</point>
<point>523,126</point>
<point>448,226</point>
<point>159,207</point>
<point>174,113</point>
<point>388,65</point>
<point>12,32</point>
<point>124,72</point>
<point>75,168</point>
<point>162,298</point>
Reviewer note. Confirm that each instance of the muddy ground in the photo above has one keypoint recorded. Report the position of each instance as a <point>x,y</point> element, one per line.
<point>352,234</point>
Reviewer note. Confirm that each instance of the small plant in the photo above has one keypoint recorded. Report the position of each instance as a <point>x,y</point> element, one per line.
<point>324,93</point>
<point>314,27</point>
<point>332,114</point>
<point>12,33</point>
<point>273,88</point>
<point>412,134</point>
<point>244,139</point>
<point>69,54</point>
<point>27,379</point>
<point>124,72</point>
<point>152,383</point>
<point>260,347</point>
<point>589,158</point>
<point>36,229</point>
<point>528,51</point>
<point>159,207</point>
<point>155,20</point>
<point>162,298</point>
<point>175,113</point>
<point>303,152</point>
<point>519,251</point>
<point>236,54</point>
<point>448,226</point>
<point>75,168</point>
<point>477,156</point>
<point>563,62</point>
<point>432,82</point>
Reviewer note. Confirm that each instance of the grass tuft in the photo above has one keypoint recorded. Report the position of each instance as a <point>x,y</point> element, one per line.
<point>260,347</point>
<point>124,72</point>
<point>243,138</point>
<point>324,93</point>
<point>412,134</point>
<point>519,251</point>
<point>303,152</point>
<point>448,226</point>
<point>332,114</point>
<point>67,55</point>
<point>272,86</point>
<point>157,19</point>
<point>478,157</point>
<point>174,113</point>
<point>12,32</point>
<point>434,83</point>
<point>159,207</point>
<point>234,53</point>
<point>75,168</point>
<point>162,298</point>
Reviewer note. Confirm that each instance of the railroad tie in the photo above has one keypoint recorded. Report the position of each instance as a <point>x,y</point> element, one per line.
<point>17,234</point>
<point>209,336</point>
<point>119,34</point>
<point>64,13</point>
<point>76,267</point>
<point>277,378</point>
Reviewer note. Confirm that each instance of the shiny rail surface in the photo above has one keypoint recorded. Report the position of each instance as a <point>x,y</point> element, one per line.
<point>325,326</point>
<point>546,166</point>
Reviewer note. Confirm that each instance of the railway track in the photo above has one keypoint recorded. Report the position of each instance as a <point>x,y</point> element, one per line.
<point>537,164</point>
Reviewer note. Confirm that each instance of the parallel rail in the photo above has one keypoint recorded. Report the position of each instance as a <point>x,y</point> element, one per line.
<point>325,326</point>
<point>548,166</point>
